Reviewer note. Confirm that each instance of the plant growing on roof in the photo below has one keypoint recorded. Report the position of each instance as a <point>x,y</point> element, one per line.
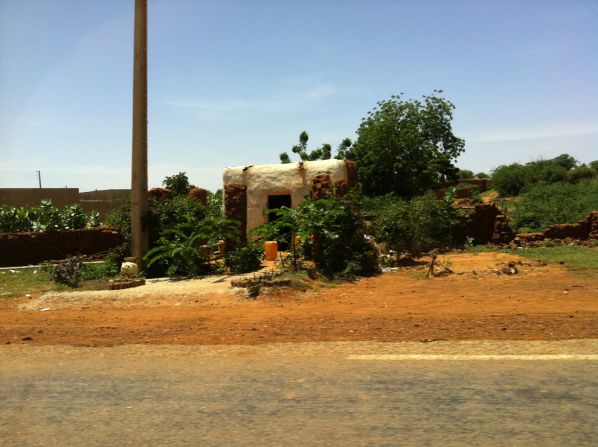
<point>322,153</point>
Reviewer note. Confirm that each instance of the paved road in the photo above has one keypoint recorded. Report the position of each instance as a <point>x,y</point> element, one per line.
<point>327,394</point>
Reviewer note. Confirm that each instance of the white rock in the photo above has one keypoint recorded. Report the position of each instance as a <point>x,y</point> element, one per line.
<point>129,269</point>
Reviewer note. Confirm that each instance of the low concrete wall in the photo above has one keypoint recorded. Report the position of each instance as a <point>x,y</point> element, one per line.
<point>60,197</point>
<point>109,195</point>
<point>32,248</point>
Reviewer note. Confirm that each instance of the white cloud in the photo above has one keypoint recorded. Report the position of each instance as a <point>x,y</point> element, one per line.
<point>536,133</point>
<point>292,98</point>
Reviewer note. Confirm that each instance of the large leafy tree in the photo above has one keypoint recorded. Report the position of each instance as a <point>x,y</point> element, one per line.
<point>406,147</point>
<point>177,183</point>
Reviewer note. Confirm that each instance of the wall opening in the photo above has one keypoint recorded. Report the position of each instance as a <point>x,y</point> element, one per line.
<point>275,202</point>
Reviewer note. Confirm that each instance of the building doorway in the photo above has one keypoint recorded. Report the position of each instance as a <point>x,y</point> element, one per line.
<point>276,202</point>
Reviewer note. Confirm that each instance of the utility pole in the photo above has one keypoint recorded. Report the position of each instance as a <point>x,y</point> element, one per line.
<point>139,195</point>
<point>39,178</point>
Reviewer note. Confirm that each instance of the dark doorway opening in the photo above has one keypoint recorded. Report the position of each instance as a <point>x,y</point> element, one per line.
<point>275,202</point>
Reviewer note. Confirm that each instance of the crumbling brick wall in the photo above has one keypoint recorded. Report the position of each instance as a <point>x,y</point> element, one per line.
<point>587,228</point>
<point>235,206</point>
<point>33,248</point>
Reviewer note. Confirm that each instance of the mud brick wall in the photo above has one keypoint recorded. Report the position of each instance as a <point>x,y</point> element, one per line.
<point>352,173</point>
<point>199,194</point>
<point>160,193</point>
<point>32,248</point>
<point>587,228</point>
<point>235,206</point>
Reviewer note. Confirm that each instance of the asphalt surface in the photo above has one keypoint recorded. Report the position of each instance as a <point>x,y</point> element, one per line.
<point>312,394</point>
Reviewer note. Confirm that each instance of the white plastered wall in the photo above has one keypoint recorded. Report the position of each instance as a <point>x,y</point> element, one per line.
<point>290,178</point>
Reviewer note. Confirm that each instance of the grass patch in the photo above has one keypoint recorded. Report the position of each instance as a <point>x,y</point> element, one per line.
<point>26,281</point>
<point>573,257</point>
<point>34,280</point>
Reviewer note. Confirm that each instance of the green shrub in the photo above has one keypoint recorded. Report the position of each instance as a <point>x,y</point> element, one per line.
<point>244,259</point>
<point>46,217</point>
<point>416,226</point>
<point>178,254</point>
<point>331,233</point>
<point>511,180</point>
<point>15,220</point>
<point>68,272</point>
<point>73,217</point>
<point>546,171</point>
<point>580,173</point>
<point>464,174</point>
<point>99,271</point>
<point>93,219</point>
<point>215,204</point>
<point>545,205</point>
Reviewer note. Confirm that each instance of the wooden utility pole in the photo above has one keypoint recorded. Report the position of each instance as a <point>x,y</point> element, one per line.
<point>139,207</point>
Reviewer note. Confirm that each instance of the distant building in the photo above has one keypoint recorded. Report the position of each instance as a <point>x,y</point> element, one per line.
<point>250,190</point>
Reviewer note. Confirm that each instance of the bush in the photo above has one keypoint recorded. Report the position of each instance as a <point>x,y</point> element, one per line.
<point>331,233</point>
<point>511,180</point>
<point>515,179</point>
<point>178,254</point>
<point>464,174</point>
<point>46,217</point>
<point>68,272</point>
<point>73,217</point>
<point>417,225</point>
<point>582,172</point>
<point>15,220</point>
<point>545,205</point>
<point>99,271</point>
<point>244,259</point>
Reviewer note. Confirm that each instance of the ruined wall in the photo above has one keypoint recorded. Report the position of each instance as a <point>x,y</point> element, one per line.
<point>32,248</point>
<point>294,179</point>
<point>235,206</point>
<point>585,229</point>
<point>199,194</point>
<point>485,224</point>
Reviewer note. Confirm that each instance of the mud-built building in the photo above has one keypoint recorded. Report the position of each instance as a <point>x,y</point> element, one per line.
<point>250,190</point>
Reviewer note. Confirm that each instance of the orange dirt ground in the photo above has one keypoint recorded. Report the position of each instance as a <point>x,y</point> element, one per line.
<point>537,303</point>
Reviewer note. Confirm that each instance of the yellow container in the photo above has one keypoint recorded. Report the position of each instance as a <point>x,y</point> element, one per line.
<point>271,250</point>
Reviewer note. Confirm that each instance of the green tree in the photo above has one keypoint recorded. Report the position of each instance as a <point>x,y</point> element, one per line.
<point>178,183</point>
<point>511,180</point>
<point>344,149</point>
<point>566,161</point>
<point>322,153</point>
<point>465,174</point>
<point>406,146</point>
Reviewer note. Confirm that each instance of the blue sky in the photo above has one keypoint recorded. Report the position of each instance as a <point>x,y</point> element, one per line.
<point>234,82</point>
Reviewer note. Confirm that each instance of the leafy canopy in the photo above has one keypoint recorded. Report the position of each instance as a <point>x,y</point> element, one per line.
<point>406,146</point>
<point>177,183</point>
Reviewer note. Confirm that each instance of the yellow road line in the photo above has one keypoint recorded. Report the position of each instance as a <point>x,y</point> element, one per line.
<point>474,357</point>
